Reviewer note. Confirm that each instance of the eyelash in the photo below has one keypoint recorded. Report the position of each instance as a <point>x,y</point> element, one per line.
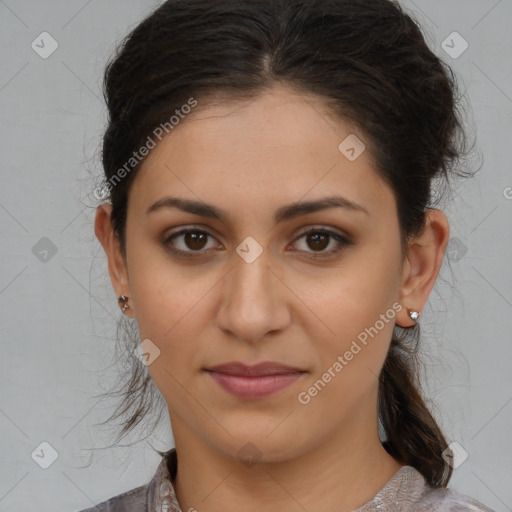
<point>343,243</point>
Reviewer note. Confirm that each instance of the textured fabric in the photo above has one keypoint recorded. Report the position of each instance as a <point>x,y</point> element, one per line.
<point>406,491</point>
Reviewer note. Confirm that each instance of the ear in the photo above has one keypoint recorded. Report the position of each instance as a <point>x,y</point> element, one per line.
<point>112,247</point>
<point>422,265</point>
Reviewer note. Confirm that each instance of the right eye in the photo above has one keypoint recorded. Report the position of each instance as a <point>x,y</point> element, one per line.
<point>193,239</point>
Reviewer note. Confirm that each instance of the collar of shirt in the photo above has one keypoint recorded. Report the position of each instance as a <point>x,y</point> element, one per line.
<point>161,495</point>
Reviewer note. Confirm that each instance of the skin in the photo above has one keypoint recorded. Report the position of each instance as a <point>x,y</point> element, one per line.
<point>250,158</point>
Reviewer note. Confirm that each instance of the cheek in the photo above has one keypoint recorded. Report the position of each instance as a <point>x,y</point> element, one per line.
<point>163,294</point>
<point>355,306</point>
<point>350,360</point>
<point>171,314</point>
<point>169,305</point>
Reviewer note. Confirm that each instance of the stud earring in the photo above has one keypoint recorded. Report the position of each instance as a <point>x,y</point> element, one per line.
<point>414,315</point>
<point>123,303</point>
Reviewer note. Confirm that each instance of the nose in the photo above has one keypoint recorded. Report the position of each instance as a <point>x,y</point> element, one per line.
<point>253,301</point>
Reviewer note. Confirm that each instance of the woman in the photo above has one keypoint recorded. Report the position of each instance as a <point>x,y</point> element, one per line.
<point>271,228</point>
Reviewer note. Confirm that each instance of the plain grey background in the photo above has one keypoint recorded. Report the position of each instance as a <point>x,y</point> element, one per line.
<point>58,310</point>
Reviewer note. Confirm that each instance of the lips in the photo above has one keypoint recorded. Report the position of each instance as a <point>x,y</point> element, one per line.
<point>259,370</point>
<point>254,382</point>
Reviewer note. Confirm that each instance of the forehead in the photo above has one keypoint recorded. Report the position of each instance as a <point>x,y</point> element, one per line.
<point>280,147</point>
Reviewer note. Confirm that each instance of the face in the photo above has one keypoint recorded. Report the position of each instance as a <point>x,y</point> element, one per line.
<point>252,285</point>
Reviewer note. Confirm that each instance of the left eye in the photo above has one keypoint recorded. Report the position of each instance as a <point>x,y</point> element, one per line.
<point>195,240</point>
<point>319,239</point>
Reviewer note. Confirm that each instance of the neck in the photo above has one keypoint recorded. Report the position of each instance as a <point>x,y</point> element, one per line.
<point>335,474</point>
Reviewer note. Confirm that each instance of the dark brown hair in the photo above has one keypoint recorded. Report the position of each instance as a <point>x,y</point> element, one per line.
<point>370,63</point>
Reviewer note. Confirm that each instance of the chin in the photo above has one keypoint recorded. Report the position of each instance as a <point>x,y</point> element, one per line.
<point>258,443</point>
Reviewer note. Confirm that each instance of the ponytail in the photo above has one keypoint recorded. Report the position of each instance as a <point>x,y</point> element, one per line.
<point>413,435</point>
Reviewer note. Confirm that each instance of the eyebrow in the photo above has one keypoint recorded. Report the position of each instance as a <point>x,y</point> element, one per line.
<point>284,213</point>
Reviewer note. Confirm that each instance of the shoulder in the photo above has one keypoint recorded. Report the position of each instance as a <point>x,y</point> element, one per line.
<point>410,491</point>
<point>449,500</point>
<point>145,497</point>
<point>134,500</point>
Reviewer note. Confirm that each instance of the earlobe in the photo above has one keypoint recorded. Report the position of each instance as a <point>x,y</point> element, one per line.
<point>422,265</point>
<point>112,247</point>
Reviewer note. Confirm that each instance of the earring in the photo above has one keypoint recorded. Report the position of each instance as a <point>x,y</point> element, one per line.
<point>414,315</point>
<point>123,302</point>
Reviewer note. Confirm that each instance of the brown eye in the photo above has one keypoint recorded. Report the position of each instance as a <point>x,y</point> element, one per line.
<point>318,240</point>
<point>188,242</point>
<point>193,243</point>
<point>195,240</point>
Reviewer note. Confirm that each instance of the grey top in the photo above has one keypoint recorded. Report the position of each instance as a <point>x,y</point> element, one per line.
<point>406,491</point>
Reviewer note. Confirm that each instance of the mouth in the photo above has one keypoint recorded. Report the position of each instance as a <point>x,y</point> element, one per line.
<point>253,382</point>
<point>258,370</point>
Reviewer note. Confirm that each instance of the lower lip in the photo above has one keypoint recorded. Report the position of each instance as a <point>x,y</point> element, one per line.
<point>254,387</point>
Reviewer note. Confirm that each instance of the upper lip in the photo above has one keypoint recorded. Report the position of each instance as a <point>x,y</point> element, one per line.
<point>260,369</point>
